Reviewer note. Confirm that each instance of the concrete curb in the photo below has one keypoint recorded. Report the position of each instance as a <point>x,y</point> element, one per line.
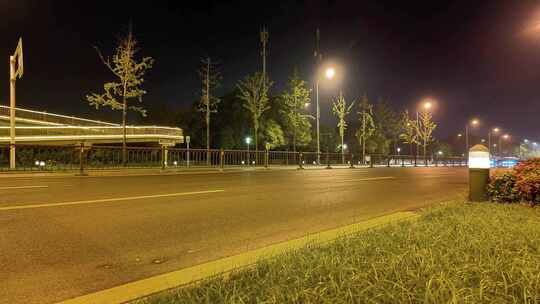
<point>143,288</point>
<point>145,172</point>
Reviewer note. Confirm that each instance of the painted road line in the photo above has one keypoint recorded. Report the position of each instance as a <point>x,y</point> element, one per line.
<point>106,200</point>
<point>145,287</point>
<point>22,187</point>
<point>367,179</point>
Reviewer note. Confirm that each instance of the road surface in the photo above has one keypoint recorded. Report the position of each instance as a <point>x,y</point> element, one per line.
<point>61,237</point>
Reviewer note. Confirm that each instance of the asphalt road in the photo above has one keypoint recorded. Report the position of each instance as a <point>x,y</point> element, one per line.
<point>62,237</point>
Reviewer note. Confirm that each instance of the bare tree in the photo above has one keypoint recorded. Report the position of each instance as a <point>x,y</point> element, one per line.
<point>425,128</point>
<point>210,78</point>
<point>341,110</point>
<point>130,77</point>
<point>254,92</point>
<point>367,125</point>
<point>408,131</point>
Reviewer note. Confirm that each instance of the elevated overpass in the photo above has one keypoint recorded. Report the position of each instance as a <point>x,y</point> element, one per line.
<point>42,128</point>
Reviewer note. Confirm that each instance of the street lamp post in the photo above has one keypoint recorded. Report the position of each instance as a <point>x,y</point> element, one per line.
<point>505,137</point>
<point>494,130</point>
<point>248,141</point>
<point>473,122</point>
<point>329,73</point>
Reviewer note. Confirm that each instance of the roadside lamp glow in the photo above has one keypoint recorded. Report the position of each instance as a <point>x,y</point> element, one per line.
<point>248,140</point>
<point>474,122</point>
<point>496,130</point>
<point>344,146</point>
<point>330,73</point>
<point>526,141</point>
<point>459,135</point>
<point>427,105</point>
<point>482,140</point>
<point>479,164</point>
<point>37,162</point>
<point>314,162</point>
<point>506,136</point>
<point>42,163</point>
<point>534,143</point>
<point>440,152</point>
<point>243,162</point>
<point>175,163</point>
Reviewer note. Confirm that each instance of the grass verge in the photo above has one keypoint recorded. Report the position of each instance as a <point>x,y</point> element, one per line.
<point>455,253</point>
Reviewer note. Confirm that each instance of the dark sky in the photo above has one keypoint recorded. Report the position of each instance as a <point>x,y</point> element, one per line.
<point>476,58</point>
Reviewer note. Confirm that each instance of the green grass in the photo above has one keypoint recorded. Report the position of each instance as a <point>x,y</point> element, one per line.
<point>456,253</point>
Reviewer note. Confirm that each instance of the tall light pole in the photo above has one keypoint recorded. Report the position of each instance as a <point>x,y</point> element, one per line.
<point>15,71</point>
<point>248,141</point>
<point>505,137</point>
<point>494,130</point>
<point>473,123</point>
<point>329,73</point>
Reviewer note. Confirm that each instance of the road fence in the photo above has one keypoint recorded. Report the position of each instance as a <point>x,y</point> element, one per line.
<point>52,158</point>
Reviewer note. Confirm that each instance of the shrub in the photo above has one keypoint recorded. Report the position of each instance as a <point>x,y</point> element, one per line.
<point>520,184</point>
<point>502,188</point>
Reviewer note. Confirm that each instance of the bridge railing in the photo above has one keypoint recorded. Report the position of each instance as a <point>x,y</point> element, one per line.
<point>67,131</point>
<point>55,119</point>
<point>43,157</point>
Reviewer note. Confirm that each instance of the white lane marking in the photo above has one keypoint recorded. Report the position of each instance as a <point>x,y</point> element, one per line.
<point>368,179</point>
<point>106,200</point>
<point>22,187</point>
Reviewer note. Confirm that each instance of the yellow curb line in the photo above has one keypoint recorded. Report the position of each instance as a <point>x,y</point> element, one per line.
<point>142,288</point>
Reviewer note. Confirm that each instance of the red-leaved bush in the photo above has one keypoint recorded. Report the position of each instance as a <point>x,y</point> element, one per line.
<point>520,184</point>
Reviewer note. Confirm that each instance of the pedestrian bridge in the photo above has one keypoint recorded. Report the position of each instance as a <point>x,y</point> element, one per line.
<point>35,127</point>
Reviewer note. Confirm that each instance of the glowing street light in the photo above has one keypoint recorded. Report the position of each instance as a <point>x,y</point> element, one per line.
<point>398,150</point>
<point>306,104</point>
<point>330,73</point>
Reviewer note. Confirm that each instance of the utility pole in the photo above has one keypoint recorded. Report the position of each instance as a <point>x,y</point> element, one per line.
<point>318,59</point>
<point>264,42</point>
<point>15,70</point>
<point>208,111</point>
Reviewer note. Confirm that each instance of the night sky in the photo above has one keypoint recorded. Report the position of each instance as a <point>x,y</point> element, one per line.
<point>476,58</point>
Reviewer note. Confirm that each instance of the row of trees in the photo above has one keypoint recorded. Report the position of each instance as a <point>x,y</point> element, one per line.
<point>280,121</point>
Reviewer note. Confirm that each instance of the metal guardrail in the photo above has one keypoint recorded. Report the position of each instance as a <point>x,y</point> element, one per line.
<point>80,130</point>
<point>40,157</point>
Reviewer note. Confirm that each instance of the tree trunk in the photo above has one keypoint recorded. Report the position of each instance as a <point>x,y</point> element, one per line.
<point>207,137</point>
<point>294,141</point>
<point>208,112</point>
<point>342,151</point>
<point>256,145</point>
<point>124,137</point>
